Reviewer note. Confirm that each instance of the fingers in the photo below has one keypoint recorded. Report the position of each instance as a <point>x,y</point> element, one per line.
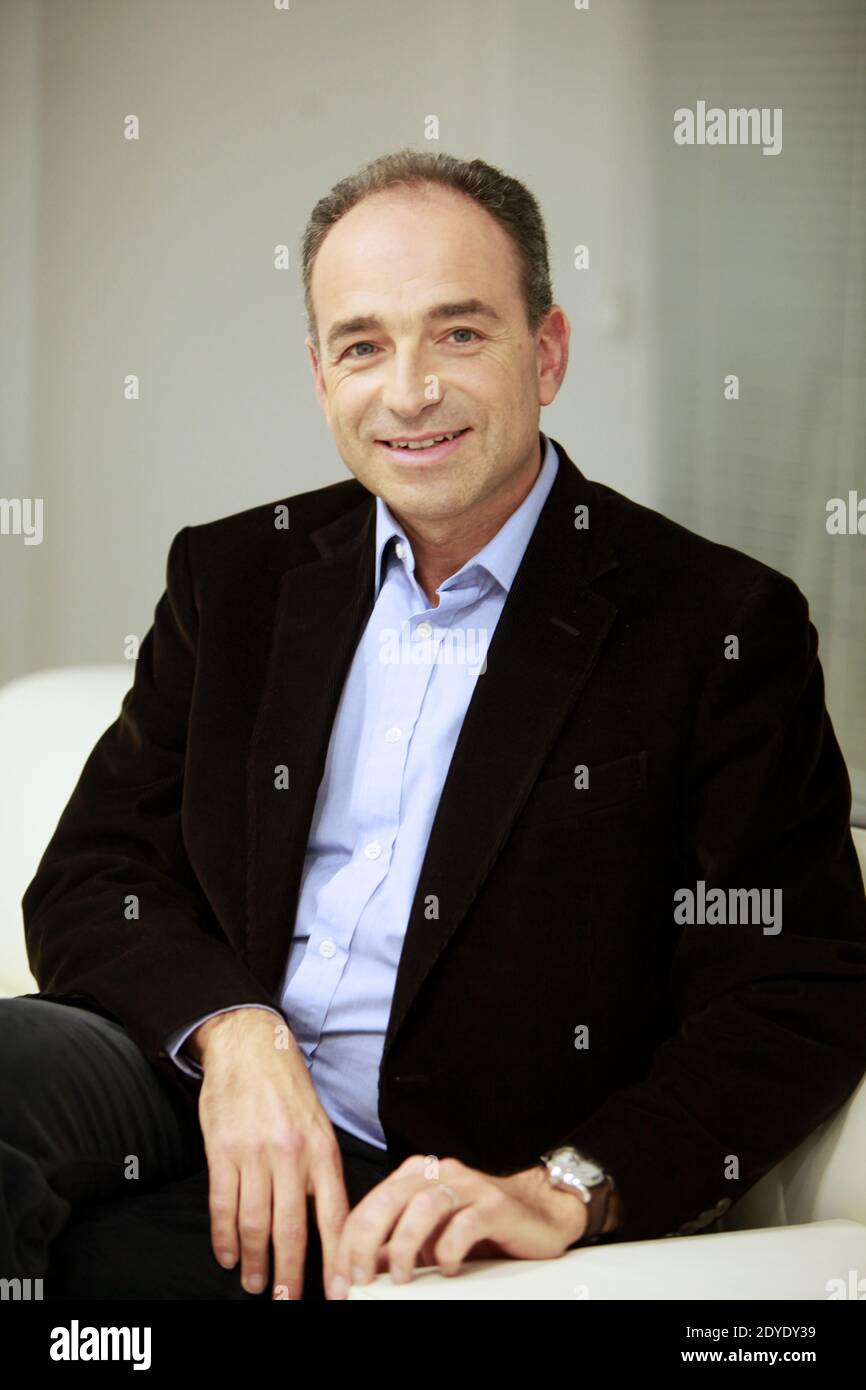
<point>409,1218</point>
<point>428,1213</point>
<point>223,1189</point>
<point>261,1202</point>
<point>269,1148</point>
<point>369,1225</point>
<point>332,1207</point>
<point>254,1224</point>
<point>289,1232</point>
<point>489,1221</point>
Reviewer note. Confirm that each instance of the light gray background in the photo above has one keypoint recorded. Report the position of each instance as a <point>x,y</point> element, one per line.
<point>156,257</point>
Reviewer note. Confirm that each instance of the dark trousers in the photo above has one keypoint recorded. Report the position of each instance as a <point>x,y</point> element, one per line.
<point>103,1173</point>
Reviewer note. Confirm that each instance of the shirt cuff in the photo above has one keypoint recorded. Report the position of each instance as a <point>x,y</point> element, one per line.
<point>175,1040</point>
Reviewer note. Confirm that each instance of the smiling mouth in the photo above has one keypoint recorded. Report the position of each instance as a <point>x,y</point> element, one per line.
<point>408,445</point>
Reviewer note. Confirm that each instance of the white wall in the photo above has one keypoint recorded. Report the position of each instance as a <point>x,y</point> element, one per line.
<point>155,257</point>
<point>23,600</point>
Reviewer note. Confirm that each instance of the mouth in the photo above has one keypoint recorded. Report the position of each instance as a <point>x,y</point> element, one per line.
<point>423,448</point>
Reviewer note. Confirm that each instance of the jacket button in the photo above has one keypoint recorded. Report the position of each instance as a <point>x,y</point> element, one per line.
<point>705,1219</point>
<point>722,1206</point>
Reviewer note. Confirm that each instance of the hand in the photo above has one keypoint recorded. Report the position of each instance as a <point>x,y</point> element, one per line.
<point>409,1218</point>
<point>269,1144</point>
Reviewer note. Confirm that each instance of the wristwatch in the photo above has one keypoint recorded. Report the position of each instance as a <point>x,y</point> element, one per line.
<point>576,1173</point>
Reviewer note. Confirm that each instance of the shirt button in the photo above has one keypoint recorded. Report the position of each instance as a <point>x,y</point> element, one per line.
<point>373,849</point>
<point>423,630</point>
<point>400,550</point>
<point>327,949</point>
<point>392,734</point>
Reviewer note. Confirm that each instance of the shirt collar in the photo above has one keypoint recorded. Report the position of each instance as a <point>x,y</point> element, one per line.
<point>502,554</point>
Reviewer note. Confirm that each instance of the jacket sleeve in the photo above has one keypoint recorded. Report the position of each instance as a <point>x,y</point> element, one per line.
<point>115,914</point>
<point>772,1024</point>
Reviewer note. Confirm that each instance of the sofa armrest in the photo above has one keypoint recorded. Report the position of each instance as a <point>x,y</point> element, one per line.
<point>788,1262</point>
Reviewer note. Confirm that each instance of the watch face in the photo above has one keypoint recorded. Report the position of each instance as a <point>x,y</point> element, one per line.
<point>588,1172</point>
<point>570,1162</point>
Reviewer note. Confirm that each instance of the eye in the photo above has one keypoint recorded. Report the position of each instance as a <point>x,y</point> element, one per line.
<point>350,351</point>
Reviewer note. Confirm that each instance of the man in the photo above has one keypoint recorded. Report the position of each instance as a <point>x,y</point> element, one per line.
<point>394,840</point>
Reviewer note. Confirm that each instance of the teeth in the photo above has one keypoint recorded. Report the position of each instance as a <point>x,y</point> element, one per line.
<point>421,443</point>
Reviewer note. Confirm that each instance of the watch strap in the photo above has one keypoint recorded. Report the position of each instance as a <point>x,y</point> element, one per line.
<point>596,1211</point>
<point>597,1197</point>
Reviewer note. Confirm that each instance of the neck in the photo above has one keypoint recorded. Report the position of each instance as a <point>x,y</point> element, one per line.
<point>441,548</point>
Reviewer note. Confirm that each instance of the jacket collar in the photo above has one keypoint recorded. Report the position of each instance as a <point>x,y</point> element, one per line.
<point>353,532</point>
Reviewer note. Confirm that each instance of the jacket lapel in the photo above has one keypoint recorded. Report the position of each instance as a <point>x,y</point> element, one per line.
<point>543,651</point>
<point>544,648</point>
<point>320,611</point>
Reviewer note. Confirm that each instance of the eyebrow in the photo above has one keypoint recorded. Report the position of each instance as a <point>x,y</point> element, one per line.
<point>455,309</point>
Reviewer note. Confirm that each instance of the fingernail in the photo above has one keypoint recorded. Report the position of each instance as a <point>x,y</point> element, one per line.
<point>399,1275</point>
<point>339,1287</point>
<point>359,1276</point>
<point>227,1260</point>
<point>254,1283</point>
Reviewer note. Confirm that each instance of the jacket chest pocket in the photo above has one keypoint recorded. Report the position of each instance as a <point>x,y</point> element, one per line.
<point>556,800</point>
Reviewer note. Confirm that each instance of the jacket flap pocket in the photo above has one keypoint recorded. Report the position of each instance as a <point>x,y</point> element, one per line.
<point>609,784</point>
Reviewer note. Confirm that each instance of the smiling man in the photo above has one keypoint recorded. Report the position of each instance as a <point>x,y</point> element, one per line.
<point>405,982</point>
<point>425,332</point>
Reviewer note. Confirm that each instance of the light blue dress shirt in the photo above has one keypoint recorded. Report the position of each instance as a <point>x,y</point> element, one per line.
<point>400,712</point>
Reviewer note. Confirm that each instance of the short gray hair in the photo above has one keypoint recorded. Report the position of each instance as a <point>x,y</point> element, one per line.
<point>504,197</point>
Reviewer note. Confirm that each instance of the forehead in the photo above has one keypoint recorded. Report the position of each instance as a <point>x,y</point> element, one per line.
<point>407,244</point>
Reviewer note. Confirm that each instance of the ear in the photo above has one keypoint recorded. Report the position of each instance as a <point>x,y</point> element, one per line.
<point>552,347</point>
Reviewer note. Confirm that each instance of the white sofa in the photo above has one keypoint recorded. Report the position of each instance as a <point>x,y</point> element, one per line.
<point>799,1233</point>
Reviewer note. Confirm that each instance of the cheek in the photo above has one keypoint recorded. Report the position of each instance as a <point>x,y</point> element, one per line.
<point>344,410</point>
<point>351,398</point>
<point>491,366</point>
<point>498,378</point>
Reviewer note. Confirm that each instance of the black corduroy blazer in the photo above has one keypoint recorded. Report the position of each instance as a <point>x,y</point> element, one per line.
<point>552,995</point>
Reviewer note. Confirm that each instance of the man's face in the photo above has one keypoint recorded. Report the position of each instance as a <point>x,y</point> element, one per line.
<point>398,267</point>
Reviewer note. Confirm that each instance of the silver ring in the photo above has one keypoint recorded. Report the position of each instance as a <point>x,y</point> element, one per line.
<point>455,1200</point>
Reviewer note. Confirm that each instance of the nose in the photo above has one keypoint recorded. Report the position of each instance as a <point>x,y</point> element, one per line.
<point>408,388</point>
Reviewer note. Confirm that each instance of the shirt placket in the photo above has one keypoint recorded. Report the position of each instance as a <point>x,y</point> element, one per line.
<point>347,895</point>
